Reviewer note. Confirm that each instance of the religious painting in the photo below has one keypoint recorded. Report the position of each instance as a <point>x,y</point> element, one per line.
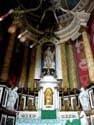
<point>1,92</point>
<point>22,103</point>
<point>75,104</point>
<point>30,102</point>
<point>10,120</point>
<point>92,119</point>
<point>67,103</point>
<point>91,95</point>
<point>48,96</point>
<point>3,119</point>
<point>5,97</point>
<point>48,58</point>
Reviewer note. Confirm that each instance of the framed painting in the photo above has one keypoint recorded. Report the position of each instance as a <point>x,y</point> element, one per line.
<point>73,102</point>
<point>5,97</point>
<point>22,103</point>
<point>67,103</point>
<point>3,119</point>
<point>1,93</point>
<point>10,120</point>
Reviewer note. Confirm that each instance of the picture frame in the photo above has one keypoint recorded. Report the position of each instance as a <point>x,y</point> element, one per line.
<point>92,119</point>
<point>91,96</point>
<point>10,120</point>
<point>5,97</point>
<point>67,103</point>
<point>22,103</point>
<point>3,119</point>
<point>1,93</point>
<point>75,103</point>
<point>73,100</point>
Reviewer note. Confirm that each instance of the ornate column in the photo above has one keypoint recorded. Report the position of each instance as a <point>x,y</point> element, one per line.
<point>38,63</point>
<point>65,83</point>
<point>8,55</point>
<point>32,70</point>
<point>58,62</point>
<point>72,67</point>
<point>24,69</point>
<point>89,56</point>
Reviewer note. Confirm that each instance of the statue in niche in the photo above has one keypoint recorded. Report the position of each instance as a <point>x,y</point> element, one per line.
<point>49,61</point>
<point>48,96</point>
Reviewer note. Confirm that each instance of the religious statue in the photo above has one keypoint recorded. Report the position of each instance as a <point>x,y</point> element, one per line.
<point>13,96</point>
<point>49,58</point>
<point>83,118</point>
<point>84,100</point>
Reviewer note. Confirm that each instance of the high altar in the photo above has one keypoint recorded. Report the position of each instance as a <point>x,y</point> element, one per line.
<point>47,77</point>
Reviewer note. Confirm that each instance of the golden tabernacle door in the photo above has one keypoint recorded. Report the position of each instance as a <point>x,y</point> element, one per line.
<point>48,97</point>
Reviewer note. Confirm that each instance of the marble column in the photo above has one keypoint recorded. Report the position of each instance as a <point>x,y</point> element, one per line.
<point>38,63</point>
<point>58,62</point>
<point>65,83</point>
<point>8,56</point>
<point>24,69</point>
<point>89,56</point>
<point>31,82</point>
<point>72,67</point>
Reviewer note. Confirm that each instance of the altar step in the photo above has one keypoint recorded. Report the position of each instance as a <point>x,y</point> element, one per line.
<point>48,122</point>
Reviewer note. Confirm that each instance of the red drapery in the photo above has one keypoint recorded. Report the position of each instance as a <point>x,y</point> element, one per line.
<point>82,63</point>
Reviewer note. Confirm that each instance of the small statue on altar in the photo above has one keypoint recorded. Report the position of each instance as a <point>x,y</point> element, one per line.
<point>12,99</point>
<point>84,100</point>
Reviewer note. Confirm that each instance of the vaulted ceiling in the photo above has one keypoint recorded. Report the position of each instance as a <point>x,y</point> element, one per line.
<point>44,14</point>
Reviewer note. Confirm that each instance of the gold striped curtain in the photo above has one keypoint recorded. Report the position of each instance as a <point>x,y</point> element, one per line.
<point>89,56</point>
<point>8,55</point>
<point>24,69</point>
<point>32,70</point>
<point>65,83</point>
<point>72,67</point>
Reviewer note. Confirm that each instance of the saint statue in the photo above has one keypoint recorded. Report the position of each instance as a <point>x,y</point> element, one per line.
<point>49,58</point>
<point>13,96</point>
<point>84,100</point>
<point>83,118</point>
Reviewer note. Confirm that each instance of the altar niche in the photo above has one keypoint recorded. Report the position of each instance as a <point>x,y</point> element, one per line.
<point>48,60</point>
